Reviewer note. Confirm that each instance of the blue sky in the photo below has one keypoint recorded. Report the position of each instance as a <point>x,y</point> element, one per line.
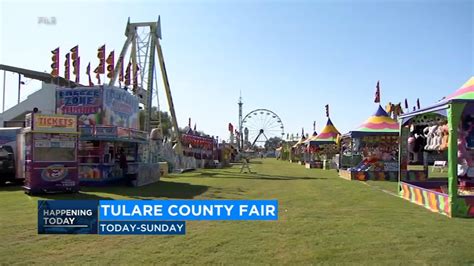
<point>292,57</point>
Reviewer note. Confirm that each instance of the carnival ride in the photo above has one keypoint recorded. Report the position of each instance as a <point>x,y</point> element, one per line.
<point>260,125</point>
<point>144,39</point>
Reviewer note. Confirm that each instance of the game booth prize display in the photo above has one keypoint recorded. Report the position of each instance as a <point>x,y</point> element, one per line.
<point>47,153</point>
<point>371,151</point>
<point>108,119</point>
<point>448,127</point>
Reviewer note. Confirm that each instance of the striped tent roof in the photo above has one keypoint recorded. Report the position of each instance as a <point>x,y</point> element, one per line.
<point>328,134</point>
<point>301,141</point>
<point>312,137</point>
<point>379,122</point>
<point>466,92</point>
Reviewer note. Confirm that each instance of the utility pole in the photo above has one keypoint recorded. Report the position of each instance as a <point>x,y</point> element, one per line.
<point>241,139</point>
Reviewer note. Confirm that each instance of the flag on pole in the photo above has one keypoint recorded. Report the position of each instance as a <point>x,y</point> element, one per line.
<point>88,72</point>
<point>76,63</point>
<point>377,93</point>
<point>327,110</point>
<point>110,65</point>
<point>135,77</point>
<point>101,56</point>
<point>97,74</point>
<point>78,66</point>
<point>55,63</point>
<point>75,50</point>
<point>121,69</point>
<point>66,67</point>
<point>127,75</point>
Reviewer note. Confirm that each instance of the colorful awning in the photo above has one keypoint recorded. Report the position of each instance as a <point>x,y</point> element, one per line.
<point>311,138</point>
<point>301,141</point>
<point>379,123</point>
<point>328,134</point>
<point>466,92</point>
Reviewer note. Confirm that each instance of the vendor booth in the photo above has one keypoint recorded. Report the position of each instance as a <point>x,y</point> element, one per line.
<point>448,128</point>
<point>371,151</point>
<point>99,153</point>
<point>308,151</point>
<point>286,150</point>
<point>298,151</point>
<point>324,147</point>
<point>202,148</point>
<point>108,119</point>
<point>47,153</point>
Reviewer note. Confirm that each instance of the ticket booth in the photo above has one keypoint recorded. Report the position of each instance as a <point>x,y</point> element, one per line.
<point>47,149</point>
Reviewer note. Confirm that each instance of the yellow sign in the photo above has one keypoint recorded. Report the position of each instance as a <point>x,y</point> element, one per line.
<point>56,123</point>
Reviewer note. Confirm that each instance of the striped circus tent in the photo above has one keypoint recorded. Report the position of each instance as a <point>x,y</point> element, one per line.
<point>380,123</point>
<point>312,137</point>
<point>300,142</point>
<point>329,134</point>
<point>466,92</point>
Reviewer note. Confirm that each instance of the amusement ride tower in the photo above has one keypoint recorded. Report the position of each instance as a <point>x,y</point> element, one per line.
<point>144,39</point>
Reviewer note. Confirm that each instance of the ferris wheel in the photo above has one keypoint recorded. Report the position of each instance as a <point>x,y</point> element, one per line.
<point>261,125</point>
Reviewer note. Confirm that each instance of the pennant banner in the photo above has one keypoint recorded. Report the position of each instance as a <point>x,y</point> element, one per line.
<point>66,67</point>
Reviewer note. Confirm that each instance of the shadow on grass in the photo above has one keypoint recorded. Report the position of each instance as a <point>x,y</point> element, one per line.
<point>11,187</point>
<point>161,189</point>
<point>229,174</point>
<point>81,195</point>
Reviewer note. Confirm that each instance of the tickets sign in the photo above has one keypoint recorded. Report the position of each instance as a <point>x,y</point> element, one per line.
<point>55,123</point>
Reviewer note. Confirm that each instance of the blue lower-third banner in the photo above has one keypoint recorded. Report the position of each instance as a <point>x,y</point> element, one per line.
<point>145,217</point>
<point>142,228</point>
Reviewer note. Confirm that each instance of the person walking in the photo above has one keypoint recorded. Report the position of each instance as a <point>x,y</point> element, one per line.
<point>245,164</point>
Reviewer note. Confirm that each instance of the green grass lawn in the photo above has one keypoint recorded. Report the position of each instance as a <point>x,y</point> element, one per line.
<point>322,218</point>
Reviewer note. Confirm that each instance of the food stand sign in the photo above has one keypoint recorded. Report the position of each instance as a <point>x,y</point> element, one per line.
<point>79,101</point>
<point>120,108</point>
<point>85,103</point>
<point>55,123</point>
